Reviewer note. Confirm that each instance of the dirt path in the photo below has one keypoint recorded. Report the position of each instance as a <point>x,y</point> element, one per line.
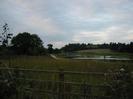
<point>54,57</point>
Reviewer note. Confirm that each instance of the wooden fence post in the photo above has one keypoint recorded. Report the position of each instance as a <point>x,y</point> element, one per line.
<point>61,84</point>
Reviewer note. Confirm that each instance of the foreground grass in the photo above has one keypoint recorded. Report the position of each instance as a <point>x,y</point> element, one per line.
<point>48,63</point>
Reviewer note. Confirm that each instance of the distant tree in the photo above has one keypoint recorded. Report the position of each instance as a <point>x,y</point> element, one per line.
<point>130,47</point>
<point>26,43</point>
<point>56,50</point>
<point>5,37</point>
<point>120,47</point>
<point>50,48</point>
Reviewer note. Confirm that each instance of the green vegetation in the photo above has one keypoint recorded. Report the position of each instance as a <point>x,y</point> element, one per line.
<point>27,44</point>
<point>104,52</point>
<point>119,47</point>
<point>30,76</point>
<point>46,62</point>
<point>30,44</point>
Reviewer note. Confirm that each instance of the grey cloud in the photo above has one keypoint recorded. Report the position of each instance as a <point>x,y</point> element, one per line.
<point>63,21</point>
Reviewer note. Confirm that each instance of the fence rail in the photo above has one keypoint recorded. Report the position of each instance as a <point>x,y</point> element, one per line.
<point>59,84</point>
<point>54,71</point>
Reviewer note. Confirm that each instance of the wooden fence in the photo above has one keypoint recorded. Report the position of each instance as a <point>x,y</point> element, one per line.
<point>58,84</point>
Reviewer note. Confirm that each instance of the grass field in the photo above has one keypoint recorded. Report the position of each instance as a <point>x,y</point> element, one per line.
<point>46,62</point>
<point>49,63</point>
<point>104,52</point>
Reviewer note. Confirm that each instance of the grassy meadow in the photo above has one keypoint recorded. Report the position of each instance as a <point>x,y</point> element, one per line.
<point>105,52</point>
<point>67,64</point>
<point>48,63</point>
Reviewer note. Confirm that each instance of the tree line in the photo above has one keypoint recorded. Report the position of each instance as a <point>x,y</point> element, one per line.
<point>25,44</point>
<point>120,47</point>
<point>31,44</point>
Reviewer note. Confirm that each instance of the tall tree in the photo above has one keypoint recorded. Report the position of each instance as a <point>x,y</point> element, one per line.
<point>50,48</point>
<point>5,35</point>
<point>26,43</point>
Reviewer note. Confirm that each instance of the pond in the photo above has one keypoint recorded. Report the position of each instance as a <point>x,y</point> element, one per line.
<point>103,58</point>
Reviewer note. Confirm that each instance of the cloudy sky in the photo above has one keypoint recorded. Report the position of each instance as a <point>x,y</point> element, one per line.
<point>70,21</point>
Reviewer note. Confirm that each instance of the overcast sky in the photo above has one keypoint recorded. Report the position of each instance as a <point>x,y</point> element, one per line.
<point>70,21</point>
